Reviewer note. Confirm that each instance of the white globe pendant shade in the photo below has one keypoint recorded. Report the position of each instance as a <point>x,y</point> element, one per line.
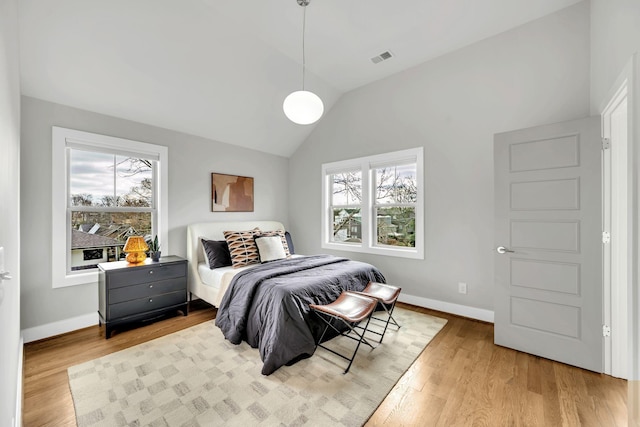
<point>303,107</point>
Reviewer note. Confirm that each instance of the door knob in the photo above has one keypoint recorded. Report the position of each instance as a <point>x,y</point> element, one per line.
<point>503,250</point>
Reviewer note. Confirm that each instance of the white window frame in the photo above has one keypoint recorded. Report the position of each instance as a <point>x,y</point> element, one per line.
<point>62,140</point>
<point>368,166</point>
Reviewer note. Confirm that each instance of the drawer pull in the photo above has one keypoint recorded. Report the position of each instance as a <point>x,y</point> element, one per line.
<point>150,271</point>
<point>150,300</point>
<point>150,286</point>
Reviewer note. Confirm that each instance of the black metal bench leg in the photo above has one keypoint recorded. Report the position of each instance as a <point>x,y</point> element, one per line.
<point>358,346</point>
<point>361,338</point>
<point>389,319</point>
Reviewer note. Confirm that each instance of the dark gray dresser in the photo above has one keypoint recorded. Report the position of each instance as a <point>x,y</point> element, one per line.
<point>139,292</point>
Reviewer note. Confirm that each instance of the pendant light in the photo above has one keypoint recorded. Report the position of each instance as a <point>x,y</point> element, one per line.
<point>303,107</point>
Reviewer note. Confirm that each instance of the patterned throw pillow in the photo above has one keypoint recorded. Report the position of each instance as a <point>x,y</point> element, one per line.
<point>242,247</point>
<point>281,234</point>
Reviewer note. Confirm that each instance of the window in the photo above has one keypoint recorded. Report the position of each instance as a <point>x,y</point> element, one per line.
<point>91,254</point>
<point>375,204</point>
<point>104,189</point>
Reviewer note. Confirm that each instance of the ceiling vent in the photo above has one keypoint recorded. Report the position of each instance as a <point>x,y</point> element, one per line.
<point>382,57</point>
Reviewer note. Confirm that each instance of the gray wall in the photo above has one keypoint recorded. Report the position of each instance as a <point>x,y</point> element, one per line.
<point>615,36</point>
<point>191,160</point>
<point>452,106</point>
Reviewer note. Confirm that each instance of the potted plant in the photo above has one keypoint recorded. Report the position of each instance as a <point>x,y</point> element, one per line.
<point>154,249</point>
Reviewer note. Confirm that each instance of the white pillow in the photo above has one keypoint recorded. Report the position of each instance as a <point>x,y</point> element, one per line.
<point>270,248</point>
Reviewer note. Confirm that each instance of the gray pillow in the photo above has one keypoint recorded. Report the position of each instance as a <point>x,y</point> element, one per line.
<point>287,236</point>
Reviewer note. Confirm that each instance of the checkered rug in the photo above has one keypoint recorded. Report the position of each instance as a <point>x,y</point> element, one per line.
<point>195,377</point>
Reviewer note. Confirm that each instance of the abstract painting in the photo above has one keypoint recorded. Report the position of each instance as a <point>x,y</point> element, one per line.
<point>231,193</point>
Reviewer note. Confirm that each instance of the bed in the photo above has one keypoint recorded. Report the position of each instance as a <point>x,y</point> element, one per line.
<point>204,283</point>
<point>267,305</point>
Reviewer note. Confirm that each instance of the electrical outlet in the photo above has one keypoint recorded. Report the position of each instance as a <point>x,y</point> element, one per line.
<point>462,288</point>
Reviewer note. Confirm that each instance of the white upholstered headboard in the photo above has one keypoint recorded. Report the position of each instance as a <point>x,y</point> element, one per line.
<point>214,231</point>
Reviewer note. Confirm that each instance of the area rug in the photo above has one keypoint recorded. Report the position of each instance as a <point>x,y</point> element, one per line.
<point>195,377</point>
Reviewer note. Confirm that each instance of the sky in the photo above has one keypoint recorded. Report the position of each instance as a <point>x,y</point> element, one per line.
<point>93,173</point>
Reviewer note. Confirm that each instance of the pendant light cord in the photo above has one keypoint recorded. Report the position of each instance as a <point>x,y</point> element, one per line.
<point>304,25</point>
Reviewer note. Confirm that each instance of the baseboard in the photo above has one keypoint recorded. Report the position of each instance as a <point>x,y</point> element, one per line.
<point>61,327</point>
<point>448,307</point>
<point>17,417</point>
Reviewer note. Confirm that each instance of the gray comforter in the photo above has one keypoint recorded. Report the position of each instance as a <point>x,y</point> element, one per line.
<point>268,305</point>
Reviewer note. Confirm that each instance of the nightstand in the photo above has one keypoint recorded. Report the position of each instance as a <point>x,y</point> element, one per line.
<point>137,292</point>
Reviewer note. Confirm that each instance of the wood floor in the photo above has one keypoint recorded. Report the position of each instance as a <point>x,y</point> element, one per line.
<point>461,379</point>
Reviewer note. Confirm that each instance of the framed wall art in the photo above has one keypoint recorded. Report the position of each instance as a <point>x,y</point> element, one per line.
<point>231,193</point>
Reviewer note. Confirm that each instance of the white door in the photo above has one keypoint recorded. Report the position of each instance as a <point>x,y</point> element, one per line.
<point>548,260</point>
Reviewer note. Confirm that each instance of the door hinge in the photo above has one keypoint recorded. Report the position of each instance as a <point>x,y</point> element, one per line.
<point>606,331</point>
<point>606,237</point>
<point>606,143</point>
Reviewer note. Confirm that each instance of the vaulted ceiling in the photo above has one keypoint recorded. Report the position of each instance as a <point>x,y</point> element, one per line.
<point>220,69</point>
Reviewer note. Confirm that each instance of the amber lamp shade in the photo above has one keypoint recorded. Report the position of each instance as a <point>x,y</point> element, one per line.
<point>136,249</point>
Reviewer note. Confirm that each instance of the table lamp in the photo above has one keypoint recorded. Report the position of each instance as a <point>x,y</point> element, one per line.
<point>136,249</point>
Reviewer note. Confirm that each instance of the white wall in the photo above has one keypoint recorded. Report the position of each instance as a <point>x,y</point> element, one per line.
<point>532,75</point>
<point>191,161</point>
<point>10,346</point>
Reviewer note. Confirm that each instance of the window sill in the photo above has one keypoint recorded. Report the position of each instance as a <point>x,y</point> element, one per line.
<point>411,253</point>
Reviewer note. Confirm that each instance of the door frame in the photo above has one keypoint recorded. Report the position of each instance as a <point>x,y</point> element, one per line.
<point>634,291</point>
<point>616,215</point>
<point>630,79</point>
<point>11,353</point>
